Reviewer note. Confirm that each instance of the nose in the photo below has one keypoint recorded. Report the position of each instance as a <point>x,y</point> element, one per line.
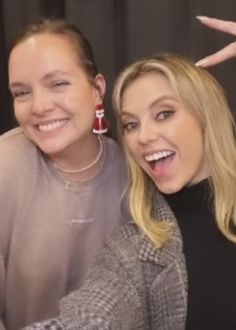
<point>41,102</point>
<point>147,133</point>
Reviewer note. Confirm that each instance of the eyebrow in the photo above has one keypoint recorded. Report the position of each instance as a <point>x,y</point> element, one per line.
<point>53,74</point>
<point>47,76</point>
<point>15,85</point>
<point>166,97</point>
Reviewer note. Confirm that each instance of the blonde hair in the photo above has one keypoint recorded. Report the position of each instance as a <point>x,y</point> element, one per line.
<point>202,95</point>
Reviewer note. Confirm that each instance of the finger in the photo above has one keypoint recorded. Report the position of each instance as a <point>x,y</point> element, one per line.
<point>218,24</point>
<point>218,57</point>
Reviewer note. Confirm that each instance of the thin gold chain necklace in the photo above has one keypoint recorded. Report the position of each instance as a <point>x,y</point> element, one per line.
<point>86,167</point>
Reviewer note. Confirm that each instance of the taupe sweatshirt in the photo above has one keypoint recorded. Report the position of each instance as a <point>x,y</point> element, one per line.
<point>50,230</point>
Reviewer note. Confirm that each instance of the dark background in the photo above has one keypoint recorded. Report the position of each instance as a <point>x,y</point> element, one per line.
<point>121,31</point>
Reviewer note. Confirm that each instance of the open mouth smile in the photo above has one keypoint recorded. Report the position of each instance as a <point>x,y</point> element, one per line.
<point>160,161</point>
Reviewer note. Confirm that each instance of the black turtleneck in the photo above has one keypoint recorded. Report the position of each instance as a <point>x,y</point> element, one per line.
<point>210,259</point>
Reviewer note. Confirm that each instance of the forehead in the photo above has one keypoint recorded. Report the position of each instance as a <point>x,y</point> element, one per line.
<point>145,88</point>
<point>43,47</point>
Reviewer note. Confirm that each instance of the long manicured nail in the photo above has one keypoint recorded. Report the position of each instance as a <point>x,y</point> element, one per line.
<point>201,62</point>
<point>201,18</point>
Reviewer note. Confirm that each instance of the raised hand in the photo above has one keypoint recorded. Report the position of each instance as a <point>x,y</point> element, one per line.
<point>225,53</point>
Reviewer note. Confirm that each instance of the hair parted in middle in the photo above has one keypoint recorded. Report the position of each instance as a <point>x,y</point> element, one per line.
<point>205,99</point>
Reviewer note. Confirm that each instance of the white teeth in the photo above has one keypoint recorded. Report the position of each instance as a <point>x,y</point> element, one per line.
<point>51,126</point>
<point>158,155</point>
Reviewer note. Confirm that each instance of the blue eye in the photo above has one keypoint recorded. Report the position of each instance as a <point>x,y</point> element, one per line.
<point>164,114</point>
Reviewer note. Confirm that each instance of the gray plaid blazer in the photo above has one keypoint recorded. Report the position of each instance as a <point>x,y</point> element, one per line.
<point>132,286</point>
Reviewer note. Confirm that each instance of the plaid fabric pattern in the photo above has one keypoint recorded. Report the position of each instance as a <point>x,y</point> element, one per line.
<point>132,286</point>
<point>52,324</point>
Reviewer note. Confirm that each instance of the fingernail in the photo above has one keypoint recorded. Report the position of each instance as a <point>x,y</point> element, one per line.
<point>201,62</point>
<point>201,18</point>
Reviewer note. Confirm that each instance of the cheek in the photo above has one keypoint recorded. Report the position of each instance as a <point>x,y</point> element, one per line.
<point>128,143</point>
<point>188,136</point>
<point>194,147</point>
<point>199,150</point>
<point>85,105</point>
<point>131,146</point>
<point>21,113</point>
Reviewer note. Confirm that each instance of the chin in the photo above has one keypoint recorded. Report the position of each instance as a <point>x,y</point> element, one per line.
<point>168,188</point>
<point>50,150</point>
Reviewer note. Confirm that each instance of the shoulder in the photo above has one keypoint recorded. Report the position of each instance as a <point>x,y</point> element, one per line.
<point>15,140</point>
<point>15,146</point>
<point>127,238</point>
<point>120,247</point>
<point>121,250</point>
<point>19,156</point>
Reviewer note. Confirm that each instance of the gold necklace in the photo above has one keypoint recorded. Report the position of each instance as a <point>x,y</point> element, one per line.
<point>86,167</point>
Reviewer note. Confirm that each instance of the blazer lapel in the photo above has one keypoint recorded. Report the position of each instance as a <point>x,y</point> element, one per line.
<point>168,295</point>
<point>174,247</point>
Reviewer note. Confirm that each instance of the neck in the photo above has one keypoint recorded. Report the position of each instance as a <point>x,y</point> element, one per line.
<point>84,160</point>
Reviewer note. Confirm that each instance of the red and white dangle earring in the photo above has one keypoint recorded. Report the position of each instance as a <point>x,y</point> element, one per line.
<point>100,124</point>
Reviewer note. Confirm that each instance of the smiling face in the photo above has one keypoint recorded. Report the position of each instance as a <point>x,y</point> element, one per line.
<point>54,100</point>
<point>161,135</point>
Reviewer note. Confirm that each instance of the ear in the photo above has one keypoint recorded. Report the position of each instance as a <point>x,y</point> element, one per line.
<point>100,85</point>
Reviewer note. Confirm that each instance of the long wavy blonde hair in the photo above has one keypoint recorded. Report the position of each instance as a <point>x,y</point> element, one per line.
<point>202,95</point>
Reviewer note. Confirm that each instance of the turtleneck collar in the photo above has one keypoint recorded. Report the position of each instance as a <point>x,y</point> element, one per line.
<point>190,197</point>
